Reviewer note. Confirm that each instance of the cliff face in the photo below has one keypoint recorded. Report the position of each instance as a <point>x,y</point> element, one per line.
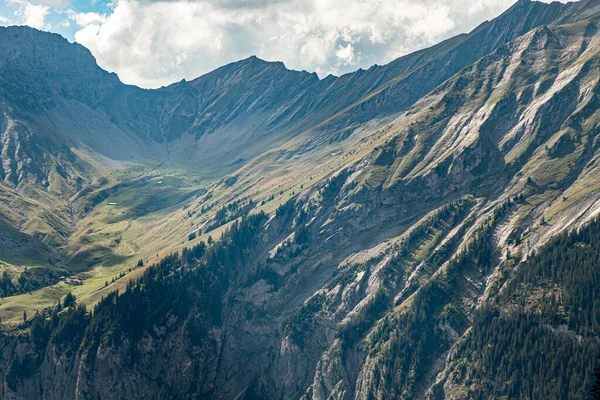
<point>409,272</point>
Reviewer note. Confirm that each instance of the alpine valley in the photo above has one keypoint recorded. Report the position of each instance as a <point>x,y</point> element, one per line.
<point>426,229</point>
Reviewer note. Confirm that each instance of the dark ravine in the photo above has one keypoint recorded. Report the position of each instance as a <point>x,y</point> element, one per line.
<point>439,265</point>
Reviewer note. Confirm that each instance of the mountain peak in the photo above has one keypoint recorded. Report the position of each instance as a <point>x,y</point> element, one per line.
<point>251,67</point>
<point>46,52</point>
<point>256,61</point>
<point>29,32</point>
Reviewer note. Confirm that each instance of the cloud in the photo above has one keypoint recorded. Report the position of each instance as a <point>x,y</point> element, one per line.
<point>85,19</point>
<point>152,43</point>
<point>31,13</point>
<point>56,4</point>
<point>35,15</point>
<point>346,54</point>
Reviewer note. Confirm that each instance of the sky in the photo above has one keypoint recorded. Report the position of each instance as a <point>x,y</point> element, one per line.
<point>151,43</point>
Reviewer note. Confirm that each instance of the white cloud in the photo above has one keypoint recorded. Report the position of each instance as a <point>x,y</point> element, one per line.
<point>31,13</point>
<point>345,54</point>
<point>87,18</point>
<point>56,4</point>
<point>35,15</point>
<point>151,43</point>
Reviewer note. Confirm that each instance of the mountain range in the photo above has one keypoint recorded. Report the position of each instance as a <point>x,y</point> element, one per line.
<point>423,229</point>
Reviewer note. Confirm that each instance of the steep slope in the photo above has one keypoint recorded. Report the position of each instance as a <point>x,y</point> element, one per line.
<point>237,111</point>
<point>405,273</point>
<point>49,90</point>
<point>251,100</point>
<point>548,313</point>
<point>51,86</point>
<point>55,98</point>
<point>498,132</point>
<point>288,168</point>
<point>395,87</point>
<point>72,135</point>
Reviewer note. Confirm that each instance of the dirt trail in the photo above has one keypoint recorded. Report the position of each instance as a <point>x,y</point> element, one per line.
<point>128,246</point>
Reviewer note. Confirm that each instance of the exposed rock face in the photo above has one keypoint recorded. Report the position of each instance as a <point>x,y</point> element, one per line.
<point>378,283</point>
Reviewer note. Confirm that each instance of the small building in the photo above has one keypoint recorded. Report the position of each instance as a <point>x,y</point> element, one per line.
<point>73,280</point>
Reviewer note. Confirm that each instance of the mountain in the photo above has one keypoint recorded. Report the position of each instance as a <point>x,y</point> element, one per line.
<point>424,229</point>
<point>57,87</point>
<point>66,124</point>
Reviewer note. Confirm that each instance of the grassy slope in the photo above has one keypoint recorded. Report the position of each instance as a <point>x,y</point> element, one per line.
<point>152,219</point>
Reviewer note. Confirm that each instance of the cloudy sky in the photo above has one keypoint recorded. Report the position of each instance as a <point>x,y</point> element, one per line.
<point>152,43</point>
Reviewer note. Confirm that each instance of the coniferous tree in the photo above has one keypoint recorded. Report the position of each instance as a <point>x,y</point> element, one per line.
<point>596,388</point>
<point>69,300</point>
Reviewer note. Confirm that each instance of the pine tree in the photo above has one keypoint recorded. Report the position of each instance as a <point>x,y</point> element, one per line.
<point>596,388</point>
<point>69,300</point>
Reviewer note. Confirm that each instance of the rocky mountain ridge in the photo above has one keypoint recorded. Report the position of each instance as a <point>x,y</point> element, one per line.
<point>237,105</point>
